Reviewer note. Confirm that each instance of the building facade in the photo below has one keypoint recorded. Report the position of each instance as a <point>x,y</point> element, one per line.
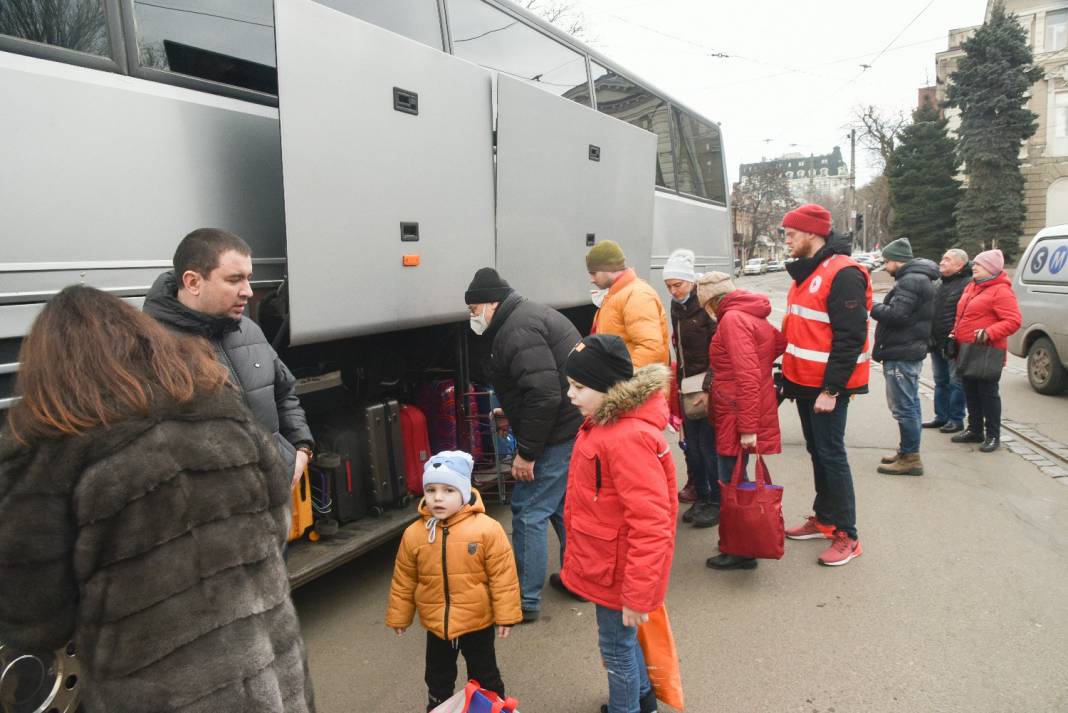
<point>808,176</point>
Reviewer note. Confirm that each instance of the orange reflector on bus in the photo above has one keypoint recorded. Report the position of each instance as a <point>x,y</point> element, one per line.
<point>410,260</point>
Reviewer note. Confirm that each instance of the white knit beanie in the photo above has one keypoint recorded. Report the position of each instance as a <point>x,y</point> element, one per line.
<point>680,266</point>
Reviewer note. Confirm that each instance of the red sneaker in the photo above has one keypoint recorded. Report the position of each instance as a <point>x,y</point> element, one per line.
<point>811,529</point>
<point>688,494</point>
<point>842,550</point>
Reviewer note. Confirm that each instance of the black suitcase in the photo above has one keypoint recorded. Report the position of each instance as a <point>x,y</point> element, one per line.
<point>383,461</point>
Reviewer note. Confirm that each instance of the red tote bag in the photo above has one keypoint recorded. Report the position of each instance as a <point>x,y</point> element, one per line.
<point>750,514</point>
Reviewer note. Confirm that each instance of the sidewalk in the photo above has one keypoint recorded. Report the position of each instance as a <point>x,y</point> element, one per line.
<point>959,603</point>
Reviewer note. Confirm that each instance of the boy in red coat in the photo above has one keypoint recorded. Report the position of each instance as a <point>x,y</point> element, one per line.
<point>620,507</point>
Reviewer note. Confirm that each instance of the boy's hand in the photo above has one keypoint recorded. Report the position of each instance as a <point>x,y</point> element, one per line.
<point>400,630</point>
<point>633,618</point>
<point>503,631</point>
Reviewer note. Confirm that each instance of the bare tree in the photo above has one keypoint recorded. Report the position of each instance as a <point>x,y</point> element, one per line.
<point>763,197</point>
<point>74,24</point>
<point>564,14</point>
<point>877,130</point>
<point>873,202</point>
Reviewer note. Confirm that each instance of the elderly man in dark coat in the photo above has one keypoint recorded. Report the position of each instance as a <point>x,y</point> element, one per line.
<point>949,392</point>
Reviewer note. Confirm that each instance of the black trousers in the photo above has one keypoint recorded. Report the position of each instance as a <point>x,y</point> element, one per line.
<point>481,658</point>
<point>984,406</point>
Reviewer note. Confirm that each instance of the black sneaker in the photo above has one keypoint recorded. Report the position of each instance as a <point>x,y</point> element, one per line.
<point>706,515</point>
<point>531,615</point>
<point>725,561</point>
<point>990,445</point>
<point>967,437</point>
<point>647,703</point>
<point>951,427</point>
<point>934,424</point>
<point>558,584</point>
<point>690,512</point>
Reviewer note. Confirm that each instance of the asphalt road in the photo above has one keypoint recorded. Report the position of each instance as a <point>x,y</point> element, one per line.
<point>959,603</point>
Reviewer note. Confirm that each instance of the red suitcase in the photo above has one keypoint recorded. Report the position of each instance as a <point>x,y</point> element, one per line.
<point>416,441</point>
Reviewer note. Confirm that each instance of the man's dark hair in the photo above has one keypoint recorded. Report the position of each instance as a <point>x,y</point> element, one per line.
<point>200,250</point>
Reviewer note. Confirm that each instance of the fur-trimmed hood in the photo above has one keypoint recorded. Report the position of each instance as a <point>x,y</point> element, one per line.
<point>629,395</point>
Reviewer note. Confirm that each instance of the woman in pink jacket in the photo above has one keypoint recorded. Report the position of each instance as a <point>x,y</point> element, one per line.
<point>742,399</point>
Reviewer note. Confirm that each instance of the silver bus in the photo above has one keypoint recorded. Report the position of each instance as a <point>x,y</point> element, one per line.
<point>374,154</point>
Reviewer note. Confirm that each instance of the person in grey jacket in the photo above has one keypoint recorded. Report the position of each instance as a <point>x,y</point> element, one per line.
<point>902,339</point>
<point>206,296</point>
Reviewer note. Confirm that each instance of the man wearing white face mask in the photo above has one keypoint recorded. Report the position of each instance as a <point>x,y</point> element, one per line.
<point>627,306</point>
<point>530,345</point>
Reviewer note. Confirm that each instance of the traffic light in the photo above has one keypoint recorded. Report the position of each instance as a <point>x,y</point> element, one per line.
<point>859,222</point>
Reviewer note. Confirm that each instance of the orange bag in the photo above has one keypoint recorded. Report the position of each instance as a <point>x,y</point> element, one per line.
<point>661,657</point>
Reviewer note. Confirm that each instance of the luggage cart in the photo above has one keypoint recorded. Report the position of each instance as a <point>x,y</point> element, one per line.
<point>493,463</point>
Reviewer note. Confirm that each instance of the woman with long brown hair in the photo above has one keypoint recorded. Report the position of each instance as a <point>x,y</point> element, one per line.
<point>142,513</point>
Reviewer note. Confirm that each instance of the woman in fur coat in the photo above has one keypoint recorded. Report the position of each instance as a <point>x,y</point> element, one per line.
<point>142,514</point>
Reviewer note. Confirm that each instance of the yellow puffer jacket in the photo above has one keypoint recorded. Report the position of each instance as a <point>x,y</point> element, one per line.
<point>460,574</point>
<point>633,311</point>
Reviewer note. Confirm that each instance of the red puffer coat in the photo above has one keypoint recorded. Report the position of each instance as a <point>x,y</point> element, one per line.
<point>620,508</point>
<point>990,306</point>
<point>742,397</point>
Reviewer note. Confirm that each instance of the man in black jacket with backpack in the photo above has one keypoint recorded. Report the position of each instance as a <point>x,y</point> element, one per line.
<point>530,345</point>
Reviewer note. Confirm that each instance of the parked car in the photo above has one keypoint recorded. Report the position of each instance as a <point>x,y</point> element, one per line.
<point>865,260</point>
<point>756,266</point>
<point>776,266</point>
<point>1041,285</point>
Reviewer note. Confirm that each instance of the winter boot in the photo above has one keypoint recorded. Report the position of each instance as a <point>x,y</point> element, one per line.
<point>892,458</point>
<point>907,464</point>
<point>706,514</point>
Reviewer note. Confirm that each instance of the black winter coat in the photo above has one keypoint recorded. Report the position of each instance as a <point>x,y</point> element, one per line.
<point>156,544</point>
<point>904,317</point>
<point>255,368</point>
<point>694,328</point>
<point>947,295</point>
<point>531,343</point>
<point>847,309</point>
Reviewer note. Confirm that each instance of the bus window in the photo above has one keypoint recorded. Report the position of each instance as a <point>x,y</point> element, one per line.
<point>227,41</point>
<point>415,19</point>
<point>484,35</point>
<point>80,26</point>
<point>700,152</point>
<point>619,97</point>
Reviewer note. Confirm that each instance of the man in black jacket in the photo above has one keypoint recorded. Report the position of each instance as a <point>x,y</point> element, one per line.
<point>901,342</point>
<point>949,392</point>
<point>530,345</point>
<point>826,330</point>
<point>206,296</point>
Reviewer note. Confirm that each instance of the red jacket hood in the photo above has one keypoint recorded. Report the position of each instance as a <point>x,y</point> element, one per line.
<point>642,396</point>
<point>755,304</point>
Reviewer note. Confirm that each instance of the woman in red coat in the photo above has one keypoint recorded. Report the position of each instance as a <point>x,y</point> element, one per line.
<point>620,507</point>
<point>986,314</point>
<point>742,398</point>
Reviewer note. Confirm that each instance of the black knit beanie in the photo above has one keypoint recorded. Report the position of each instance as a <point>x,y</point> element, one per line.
<point>486,287</point>
<point>599,361</point>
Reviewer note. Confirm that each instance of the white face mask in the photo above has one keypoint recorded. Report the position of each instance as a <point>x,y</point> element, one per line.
<point>479,323</point>
<point>597,296</point>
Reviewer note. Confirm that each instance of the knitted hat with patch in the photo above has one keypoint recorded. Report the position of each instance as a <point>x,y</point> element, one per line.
<point>451,468</point>
<point>599,361</point>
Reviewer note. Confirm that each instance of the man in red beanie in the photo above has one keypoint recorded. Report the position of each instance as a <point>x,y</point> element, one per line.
<point>826,362</point>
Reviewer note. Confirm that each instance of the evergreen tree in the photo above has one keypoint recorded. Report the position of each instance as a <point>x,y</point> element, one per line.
<point>924,190</point>
<point>990,88</point>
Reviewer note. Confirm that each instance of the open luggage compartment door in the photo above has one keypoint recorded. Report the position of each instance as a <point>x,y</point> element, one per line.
<point>567,176</point>
<point>386,153</point>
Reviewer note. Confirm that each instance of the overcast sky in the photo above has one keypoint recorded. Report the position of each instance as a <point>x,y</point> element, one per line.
<point>793,75</point>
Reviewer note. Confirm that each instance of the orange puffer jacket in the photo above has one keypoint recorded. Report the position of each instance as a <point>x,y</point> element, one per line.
<point>633,311</point>
<point>460,574</point>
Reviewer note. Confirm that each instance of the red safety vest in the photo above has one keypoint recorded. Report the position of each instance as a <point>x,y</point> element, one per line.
<point>807,327</point>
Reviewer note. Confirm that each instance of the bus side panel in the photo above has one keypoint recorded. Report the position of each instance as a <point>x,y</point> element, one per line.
<point>552,196</point>
<point>680,222</point>
<point>99,169</point>
<point>356,168</point>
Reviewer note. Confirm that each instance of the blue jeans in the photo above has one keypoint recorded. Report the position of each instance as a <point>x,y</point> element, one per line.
<point>903,397</point>
<point>949,391</point>
<point>533,505</point>
<point>628,679</point>
<point>701,457</point>
<point>726,467</point>
<point>835,502</point>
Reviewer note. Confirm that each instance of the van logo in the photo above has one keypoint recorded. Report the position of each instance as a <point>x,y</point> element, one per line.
<point>1039,260</point>
<point>815,286</point>
<point>472,548</point>
<point>1060,257</point>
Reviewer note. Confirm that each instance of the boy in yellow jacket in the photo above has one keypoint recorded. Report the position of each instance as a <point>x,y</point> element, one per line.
<point>456,567</point>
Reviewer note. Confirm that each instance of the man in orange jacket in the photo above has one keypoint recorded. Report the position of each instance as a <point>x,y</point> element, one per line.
<point>826,361</point>
<point>628,306</point>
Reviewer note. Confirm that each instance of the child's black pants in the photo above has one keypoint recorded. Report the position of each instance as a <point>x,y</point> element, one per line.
<point>481,658</point>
